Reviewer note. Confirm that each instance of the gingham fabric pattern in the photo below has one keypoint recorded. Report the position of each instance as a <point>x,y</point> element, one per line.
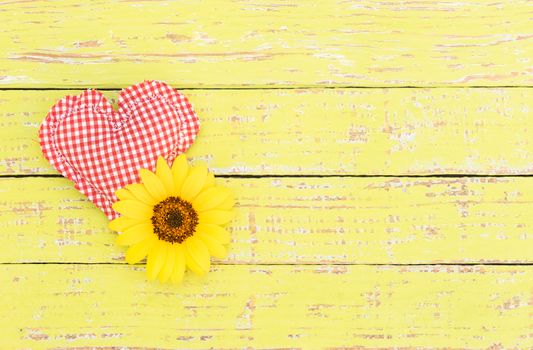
<point>102,150</point>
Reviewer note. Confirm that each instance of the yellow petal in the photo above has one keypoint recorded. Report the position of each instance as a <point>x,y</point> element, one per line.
<point>135,234</point>
<point>192,265</point>
<point>209,181</point>
<point>217,232</point>
<point>180,170</point>
<point>210,198</point>
<point>166,271</point>
<point>122,223</point>
<point>227,204</point>
<point>141,193</point>
<point>194,182</point>
<point>196,256</point>
<point>139,251</point>
<point>156,259</point>
<point>165,175</point>
<point>179,263</point>
<point>123,194</point>
<point>215,248</point>
<point>216,216</point>
<point>153,184</point>
<point>133,209</point>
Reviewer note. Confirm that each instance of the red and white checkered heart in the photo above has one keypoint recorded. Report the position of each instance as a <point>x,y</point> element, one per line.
<point>102,150</point>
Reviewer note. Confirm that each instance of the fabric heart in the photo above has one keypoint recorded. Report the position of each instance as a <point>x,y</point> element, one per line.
<point>102,150</point>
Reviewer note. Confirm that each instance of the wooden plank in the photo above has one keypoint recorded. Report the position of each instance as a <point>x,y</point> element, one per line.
<point>324,131</point>
<point>219,43</point>
<point>266,307</point>
<point>300,220</point>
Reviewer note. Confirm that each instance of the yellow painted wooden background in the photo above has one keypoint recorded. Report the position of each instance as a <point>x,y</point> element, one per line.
<point>380,153</point>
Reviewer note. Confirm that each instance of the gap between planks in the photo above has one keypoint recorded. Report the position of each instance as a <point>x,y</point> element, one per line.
<point>315,176</point>
<point>299,87</point>
<point>276,264</point>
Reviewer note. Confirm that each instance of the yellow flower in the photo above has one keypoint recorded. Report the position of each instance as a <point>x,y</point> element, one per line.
<point>174,217</point>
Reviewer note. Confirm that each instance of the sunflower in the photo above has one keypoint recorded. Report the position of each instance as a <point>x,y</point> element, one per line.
<point>174,219</point>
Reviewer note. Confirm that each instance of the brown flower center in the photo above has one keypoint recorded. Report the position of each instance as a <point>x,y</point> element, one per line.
<point>174,220</point>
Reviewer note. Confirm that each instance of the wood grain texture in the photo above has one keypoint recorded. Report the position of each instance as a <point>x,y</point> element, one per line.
<point>304,221</point>
<point>368,87</point>
<point>221,43</point>
<point>268,307</point>
<point>324,131</point>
